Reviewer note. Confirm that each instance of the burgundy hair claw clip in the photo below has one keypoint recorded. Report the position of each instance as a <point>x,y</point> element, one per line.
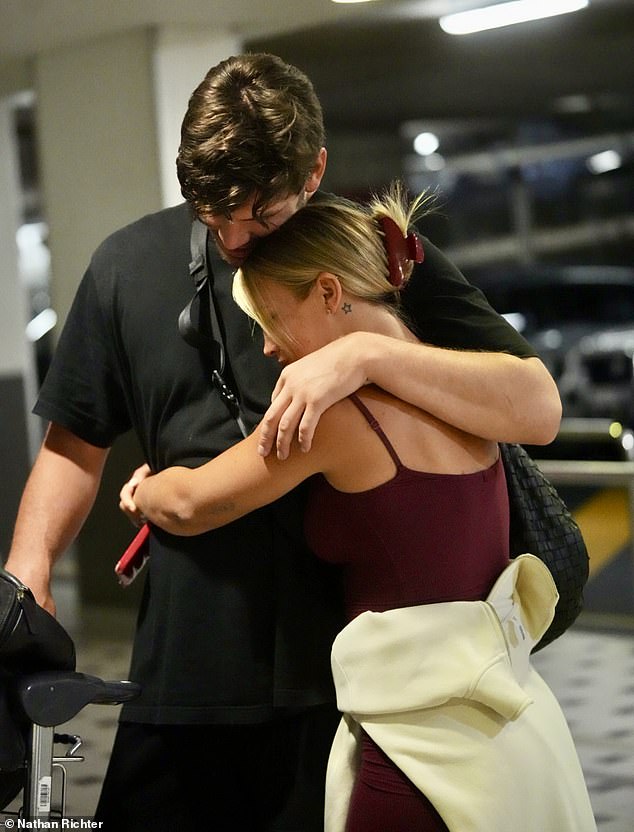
<point>400,250</point>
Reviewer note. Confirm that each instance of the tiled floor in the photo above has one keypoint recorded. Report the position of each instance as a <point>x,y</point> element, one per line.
<point>96,724</point>
<point>592,674</point>
<point>590,669</point>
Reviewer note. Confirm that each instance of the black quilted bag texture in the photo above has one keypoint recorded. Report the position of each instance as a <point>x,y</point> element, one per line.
<point>542,525</point>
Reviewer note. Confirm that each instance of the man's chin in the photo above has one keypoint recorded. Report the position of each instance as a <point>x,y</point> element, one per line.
<point>233,258</point>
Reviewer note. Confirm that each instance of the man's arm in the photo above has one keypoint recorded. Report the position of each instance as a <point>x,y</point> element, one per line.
<point>57,498</point>
<point>493,395</point>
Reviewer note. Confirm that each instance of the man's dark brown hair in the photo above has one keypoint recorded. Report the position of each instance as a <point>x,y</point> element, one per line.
<point>253,128</point>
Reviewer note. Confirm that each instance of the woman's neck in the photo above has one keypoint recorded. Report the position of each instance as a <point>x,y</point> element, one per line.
<point>371,317</point>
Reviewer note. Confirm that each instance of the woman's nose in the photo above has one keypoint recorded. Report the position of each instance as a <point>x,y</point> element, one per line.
<point>270,347</point>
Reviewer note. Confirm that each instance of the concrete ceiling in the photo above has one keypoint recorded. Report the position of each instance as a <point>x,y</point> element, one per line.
<point>381,71</point>
<point>380,64</point>
<point>31,26</point>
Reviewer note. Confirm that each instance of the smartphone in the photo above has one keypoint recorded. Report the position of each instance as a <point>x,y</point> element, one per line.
<point>134,558</point>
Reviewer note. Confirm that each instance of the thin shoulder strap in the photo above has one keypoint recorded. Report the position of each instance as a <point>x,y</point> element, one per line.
<point>376,427</point>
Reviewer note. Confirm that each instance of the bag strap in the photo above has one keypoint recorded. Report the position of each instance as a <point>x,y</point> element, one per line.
<point>212,346</point>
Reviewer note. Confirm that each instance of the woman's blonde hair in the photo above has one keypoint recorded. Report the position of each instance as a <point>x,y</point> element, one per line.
<point>330,234</point>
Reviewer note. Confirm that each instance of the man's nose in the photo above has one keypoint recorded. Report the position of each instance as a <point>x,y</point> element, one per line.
<point>232,236</point>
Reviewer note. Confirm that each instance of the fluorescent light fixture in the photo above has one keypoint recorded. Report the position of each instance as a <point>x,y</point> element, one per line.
<point>603,162</point>
<point>352,1</point>
<point>506,14</point>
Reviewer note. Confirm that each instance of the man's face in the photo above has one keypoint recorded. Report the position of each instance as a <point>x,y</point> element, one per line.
<point>236,236</point>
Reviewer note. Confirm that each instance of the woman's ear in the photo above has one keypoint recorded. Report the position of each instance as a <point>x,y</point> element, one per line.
<point>330,291</point>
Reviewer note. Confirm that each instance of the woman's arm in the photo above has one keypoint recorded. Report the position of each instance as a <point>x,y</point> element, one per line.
<point>189,501</point>
<point>473,369</point>
<point>493,395</point>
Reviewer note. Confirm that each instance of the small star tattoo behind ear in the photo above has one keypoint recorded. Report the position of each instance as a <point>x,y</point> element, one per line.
<point>347,307</point>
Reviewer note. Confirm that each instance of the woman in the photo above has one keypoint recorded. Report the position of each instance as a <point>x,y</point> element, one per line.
<point>416,512</point>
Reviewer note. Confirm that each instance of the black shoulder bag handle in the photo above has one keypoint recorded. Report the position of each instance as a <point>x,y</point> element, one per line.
<point>211,345</point>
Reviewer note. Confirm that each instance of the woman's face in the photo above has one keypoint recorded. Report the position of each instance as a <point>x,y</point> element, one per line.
<point>303,325</point>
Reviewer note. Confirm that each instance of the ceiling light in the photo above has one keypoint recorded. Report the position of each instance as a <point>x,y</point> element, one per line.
<point>627,442</point>
<point>426,143</point>
<point>352,1</point>
<point>38,326</point>
<point>603,162</point>
<point>505,14</point>
<point>573,104</point>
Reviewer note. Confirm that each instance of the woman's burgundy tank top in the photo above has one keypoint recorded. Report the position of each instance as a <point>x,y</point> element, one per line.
<point>418,538</point>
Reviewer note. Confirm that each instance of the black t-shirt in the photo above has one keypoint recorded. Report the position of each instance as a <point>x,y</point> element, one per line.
<point>238,621</point>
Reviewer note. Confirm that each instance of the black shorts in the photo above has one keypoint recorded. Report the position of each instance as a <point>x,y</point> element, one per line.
<point>225,778</point>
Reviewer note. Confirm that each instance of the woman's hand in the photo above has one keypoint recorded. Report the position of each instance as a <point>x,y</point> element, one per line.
<point>126,495</point>
<point>308,387</point>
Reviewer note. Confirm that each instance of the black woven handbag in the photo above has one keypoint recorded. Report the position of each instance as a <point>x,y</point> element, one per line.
<point>541,524</point>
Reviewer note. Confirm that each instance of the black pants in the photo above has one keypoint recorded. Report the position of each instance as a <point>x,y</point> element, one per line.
<point>220,778</point>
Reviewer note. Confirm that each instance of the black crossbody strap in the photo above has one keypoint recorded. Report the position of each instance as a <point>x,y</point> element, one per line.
<point>213,346</point>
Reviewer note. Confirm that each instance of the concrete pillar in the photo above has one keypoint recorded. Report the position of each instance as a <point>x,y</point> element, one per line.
<point>99,167</point>
<point>16,354</point>
<point>182,57</point>
<point>98,147</point>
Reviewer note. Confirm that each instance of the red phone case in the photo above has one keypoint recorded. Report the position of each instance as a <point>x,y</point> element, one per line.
<point>134,558</point>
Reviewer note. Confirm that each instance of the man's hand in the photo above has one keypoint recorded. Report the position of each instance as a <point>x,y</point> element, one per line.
<point>126,495</point>
<point>308,387</point>
<point>37,582</point>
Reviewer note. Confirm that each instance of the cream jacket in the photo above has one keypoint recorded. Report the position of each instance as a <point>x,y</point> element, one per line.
<point>447,691</point>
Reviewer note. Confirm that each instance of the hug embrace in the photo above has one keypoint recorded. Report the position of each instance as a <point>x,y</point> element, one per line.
<point>445,724</point>
<point>369,488</point>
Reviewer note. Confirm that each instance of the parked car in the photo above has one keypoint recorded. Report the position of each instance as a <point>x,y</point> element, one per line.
<point>597,379</point>
<point>580,320</point>
<point>554,307</point>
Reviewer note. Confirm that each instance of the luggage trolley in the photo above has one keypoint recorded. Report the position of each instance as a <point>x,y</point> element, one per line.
<point>40,690</point>
<point>43,701</point>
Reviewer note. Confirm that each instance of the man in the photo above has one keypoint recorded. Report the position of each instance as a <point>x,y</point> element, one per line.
<point>233,726</point>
